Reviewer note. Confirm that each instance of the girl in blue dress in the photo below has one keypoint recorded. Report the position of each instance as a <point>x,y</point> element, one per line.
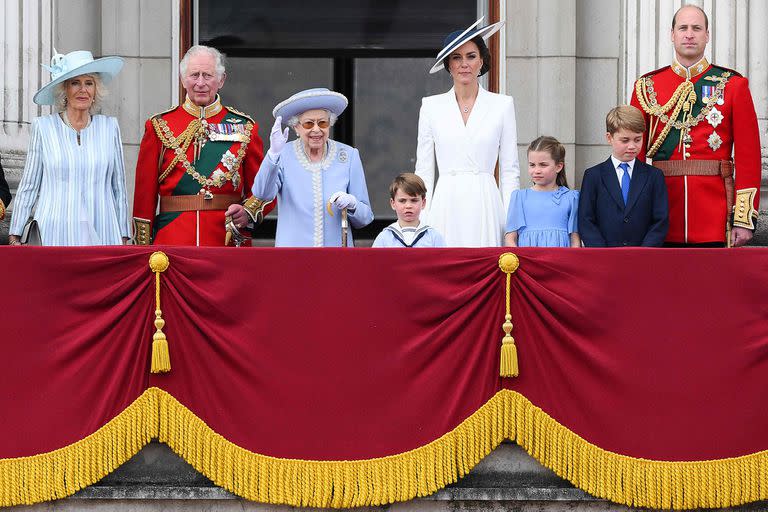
<point>545,214</point>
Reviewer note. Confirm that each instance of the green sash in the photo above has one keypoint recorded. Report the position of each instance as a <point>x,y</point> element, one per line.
<point>673,137</point>
<point>210,157</point>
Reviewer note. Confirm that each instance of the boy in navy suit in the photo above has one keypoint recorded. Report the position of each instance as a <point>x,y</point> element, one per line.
<point>623,201</point>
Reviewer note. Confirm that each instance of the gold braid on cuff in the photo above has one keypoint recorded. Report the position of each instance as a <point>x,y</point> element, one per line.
<point>2,210</point>
<point>744,213</point>
<point>141,231</point>
<point>255,208</point>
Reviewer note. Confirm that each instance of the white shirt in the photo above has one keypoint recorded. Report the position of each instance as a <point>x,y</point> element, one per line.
<point>619,170</point>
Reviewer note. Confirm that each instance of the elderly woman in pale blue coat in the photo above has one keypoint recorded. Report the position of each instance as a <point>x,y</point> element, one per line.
<point>74,177</point>
<point>313,177</point>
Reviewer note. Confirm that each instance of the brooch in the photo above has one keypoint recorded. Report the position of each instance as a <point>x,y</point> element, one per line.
<point>218,177</point>
<point>229,160</point>
<point>715,117</point>
<point>343,156</point>
<point>714,141</point>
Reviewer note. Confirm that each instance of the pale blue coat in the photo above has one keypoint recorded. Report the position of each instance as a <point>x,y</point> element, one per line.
<point>303,189</point>
<point>77,191</point>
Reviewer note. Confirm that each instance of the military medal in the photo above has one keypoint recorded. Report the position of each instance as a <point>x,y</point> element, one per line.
<point>714,141</point>
<point>715,117</point>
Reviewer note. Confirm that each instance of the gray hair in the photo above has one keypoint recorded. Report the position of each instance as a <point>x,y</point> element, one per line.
<point>208,50</point>
<point>294,120</point>
<point>60,94</point>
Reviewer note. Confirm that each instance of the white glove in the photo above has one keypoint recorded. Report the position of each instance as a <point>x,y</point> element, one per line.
<point>277,138</point>
<point>343,200</point>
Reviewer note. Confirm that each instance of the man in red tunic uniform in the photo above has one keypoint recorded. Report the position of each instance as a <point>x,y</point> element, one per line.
<point>703,133</point>
<point>198,160</point>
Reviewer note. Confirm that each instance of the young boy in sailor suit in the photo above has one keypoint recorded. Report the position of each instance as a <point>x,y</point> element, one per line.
<point>408,196</point>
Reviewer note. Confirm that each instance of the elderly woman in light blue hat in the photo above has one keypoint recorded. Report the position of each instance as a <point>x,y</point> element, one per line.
<point>74,177</point>
<point>462,134</point>
<point>313,177</point>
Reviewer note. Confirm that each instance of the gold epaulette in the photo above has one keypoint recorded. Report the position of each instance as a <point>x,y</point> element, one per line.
<point>2,209</point>
<point>141,231</point>
<point>235,111</point>
<point>744,213</point>
<point>255,208</point>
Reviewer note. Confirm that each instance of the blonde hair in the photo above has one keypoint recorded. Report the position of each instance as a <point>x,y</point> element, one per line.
<point>60,94</point>
<point>552,146</point>
<point>625,117</point>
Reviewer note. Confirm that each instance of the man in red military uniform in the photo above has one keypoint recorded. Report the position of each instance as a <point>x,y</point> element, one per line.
<point>198,160</point>
<point>702,133</point>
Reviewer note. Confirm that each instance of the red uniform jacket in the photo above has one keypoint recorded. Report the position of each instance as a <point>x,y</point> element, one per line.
<point>226,163</point>
<point>697,204</point>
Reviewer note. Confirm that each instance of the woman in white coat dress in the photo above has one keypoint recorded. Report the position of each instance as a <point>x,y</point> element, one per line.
<point>462,133</point>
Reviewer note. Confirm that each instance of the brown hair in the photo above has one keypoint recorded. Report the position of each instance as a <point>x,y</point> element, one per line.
<point>556,150</point>
<point>410,184</point>
<point>706,19</point>
<point>485,54</point>
<point>625,117</point>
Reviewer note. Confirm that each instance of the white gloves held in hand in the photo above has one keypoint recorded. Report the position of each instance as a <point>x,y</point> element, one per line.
<point>343,200</point>
<point>278,138</point>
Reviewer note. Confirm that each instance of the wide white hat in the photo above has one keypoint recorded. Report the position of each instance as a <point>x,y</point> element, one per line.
<point>311,99</point>
<point>458,38</point>
<point>80,62</point>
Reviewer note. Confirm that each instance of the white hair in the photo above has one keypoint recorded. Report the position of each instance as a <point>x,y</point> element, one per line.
<point>200,49</point>
<point>332,118</point>
<point>60,94</point>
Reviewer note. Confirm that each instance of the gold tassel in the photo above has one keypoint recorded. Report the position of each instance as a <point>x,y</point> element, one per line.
<point>161,359</point>
<point>508,263</point>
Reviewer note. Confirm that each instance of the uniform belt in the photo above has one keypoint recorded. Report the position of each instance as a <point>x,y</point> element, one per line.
<point>197,202</point>
<point>723,168</point>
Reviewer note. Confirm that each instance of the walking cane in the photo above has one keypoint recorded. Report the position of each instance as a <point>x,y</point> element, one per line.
<point>344,223</point>
<point>344,227</point>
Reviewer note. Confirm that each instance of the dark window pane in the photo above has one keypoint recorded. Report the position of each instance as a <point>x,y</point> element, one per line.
<point>255,86</point>
<point>332,24</point>
<point>388,96</point>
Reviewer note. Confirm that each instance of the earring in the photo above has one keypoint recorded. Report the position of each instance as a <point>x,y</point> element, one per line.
<point>65,102</point>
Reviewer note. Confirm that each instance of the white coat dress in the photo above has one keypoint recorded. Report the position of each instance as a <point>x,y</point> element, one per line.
<point>467,206</point>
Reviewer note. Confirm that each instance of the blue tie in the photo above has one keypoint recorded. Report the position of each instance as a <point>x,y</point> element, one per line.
<point>625,181</point>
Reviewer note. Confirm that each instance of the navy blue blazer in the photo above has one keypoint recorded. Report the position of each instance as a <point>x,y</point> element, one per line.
<point>604,220</point>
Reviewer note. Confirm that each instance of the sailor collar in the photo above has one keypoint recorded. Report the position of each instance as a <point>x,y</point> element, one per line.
<point>691,72</point>
<point>202,112</point>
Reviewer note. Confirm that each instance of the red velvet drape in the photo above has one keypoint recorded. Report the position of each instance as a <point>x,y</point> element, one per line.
<point>352,354</point>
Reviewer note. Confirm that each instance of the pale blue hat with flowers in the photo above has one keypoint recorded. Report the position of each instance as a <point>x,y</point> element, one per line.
<point>311,99</point>
<point>80,62</point>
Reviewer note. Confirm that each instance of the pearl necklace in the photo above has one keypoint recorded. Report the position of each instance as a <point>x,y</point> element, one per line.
<point>65,118</point>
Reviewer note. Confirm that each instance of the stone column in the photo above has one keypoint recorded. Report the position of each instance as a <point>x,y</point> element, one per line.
<point>598,46</point>
<point>541,73</point>
<point>140,31</point>
<point>26,33</point>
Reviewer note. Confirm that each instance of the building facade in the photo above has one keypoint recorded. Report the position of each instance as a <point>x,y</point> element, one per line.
<point>566,63</point>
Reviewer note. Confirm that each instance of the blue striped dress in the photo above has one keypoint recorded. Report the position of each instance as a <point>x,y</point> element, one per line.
<point>77,191</point>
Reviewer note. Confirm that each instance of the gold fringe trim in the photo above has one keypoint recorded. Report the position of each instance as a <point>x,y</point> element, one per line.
<point>416,473</point>
<point>63,472</point>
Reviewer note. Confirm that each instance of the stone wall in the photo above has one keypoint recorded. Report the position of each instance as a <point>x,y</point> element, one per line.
<point>567,62</point>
